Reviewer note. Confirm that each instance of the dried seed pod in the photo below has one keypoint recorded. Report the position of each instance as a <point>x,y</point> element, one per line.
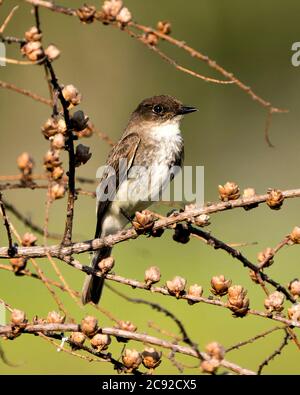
<point>176,286</point>
<point>181,234</point>
<point>18,318</point>
<point>79,121</point>
<point>124,16</point>
<point>152,275</point>
<point>164,27</point>
<point>229,191</point>
<point>143,221</point>
<point>89,326</point>
<point>151,358</point>
<point>131,359</point>
<point>294,312</point>
<point>274,302</point>
<point>25,163</point>
<point>78,338</point>
<point>54,317</point>
<point>215,350</point>
<point>238,301</point>
<point>275,199</point>
<point>33,50</point>
<point>100,341</point>
<point>294,287</point>
<point>295,235</point>
<point>82,155</point>
<point>33,34</point>
<point>52,52</point>
<point>86,13</point>
<point>71,94</point>
<point>106,264</point>
<point>86,132</point>
<point>220,285</point>
<point>28,239</point>
<point>57,191</point>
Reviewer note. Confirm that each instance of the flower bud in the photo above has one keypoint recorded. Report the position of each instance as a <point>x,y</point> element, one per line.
<point>143,221</point>
<point>86,13</point>
<point>176,286</point>
<point>131,359</point>
<point>294,312</point>
<point>274,302</point>
<point>52,52</point>
<point>78,338</point>
<point>181,234</point>
<point>294,287</point>
<point>220,285</point>
<point>71,94</point>
<point>50,127</point>
<point>79,120</point>
<point>33,50</point>
<point>111,8</point>
<point>33,34</point>
<point>210,366</point>
<point>100,341</point>
<point>58,141</point>
<point>124,16</point>
<point>18,318</point>
<point>151,358</point>
<point>106,264</point>
<point>61,126</point>
<point>152,275</point>
<point>195,290</point>
<point>164,27</point>
<point>150,39</point>
<point>215,350</point>
<point>249,193</point>
<point>54,317</point>
<point>295,235</point>
<point>201,220</point>
<point>89,326</point>
<point>57,191</point>
<point>82,155</point>
<point>237,300</point>
<point>51,160</point>
<point>266,255</point>
<point>25,163</point>
<point>28,239</point>
<point>57,173</point>
<point>229,191</point>
<point>18,264</point>
<point>275,199</point>
<point>127,326</point>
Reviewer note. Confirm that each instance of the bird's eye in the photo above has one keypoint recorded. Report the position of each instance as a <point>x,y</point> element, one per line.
<point>158,109</point>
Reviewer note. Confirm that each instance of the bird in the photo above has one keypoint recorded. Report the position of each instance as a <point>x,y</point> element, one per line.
<point>151,144</point>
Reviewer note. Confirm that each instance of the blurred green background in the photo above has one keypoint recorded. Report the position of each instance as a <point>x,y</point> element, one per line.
<point>252,39</point>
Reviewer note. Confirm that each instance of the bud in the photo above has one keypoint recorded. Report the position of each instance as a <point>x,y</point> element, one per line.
<point>150,39</point>
<point>176,286</point>
<point>86,132</point>
<point>100,341</point>
<point>18,264</point>
<point>253,275</point>
<point>294,312</point>
<point>82,155</point>
<point>79,120</point>
<point>274,302</point>
<point>143,221</point>
<point>195,290</point>
<point>249,193</point>
<point>57,191</point>
<point>124,16</point>
<point>215,350</point>
<point>275,199</point>
<point>58,141</point>
<point>106,264</point>
<point>33,50</point>
<point>28,239</point>
<point>220,285</point>
<point>54,317</point>
<point>237,300</point>
<point>266,255</point>
<point>201,220</point>
<point>51,160</point>
<point>294,287</point>
<point>229,191</point>
<point>52,52</point>
<point>89,326</point>
<point>18,318</point>
<point>86,13</point>
<point>111,8</point>
<point>131,359</point>
<point>152,275</point>
<point>151,358</point>
<point>78,338</point>
<point>61,126</point>
<point>25,163</point>
<point>127,326</point>
<point>33,34</point>
<point>181,234</point>
<point>57,173</point>
<point>210,366</point>
<point>295,235</point>
<point>71,94</point>
<point>164,27</point>
<point>50,127</point>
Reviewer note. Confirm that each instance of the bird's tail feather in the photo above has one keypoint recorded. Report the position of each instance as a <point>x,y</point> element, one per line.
<point>92,287</point>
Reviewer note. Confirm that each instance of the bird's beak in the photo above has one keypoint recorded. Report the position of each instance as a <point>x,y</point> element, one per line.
<point>186,110</point>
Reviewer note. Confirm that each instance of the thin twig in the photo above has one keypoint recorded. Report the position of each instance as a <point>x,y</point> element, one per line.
<point>11,247</point>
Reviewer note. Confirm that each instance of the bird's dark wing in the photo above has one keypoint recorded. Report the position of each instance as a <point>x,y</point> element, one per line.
<point>125,149</point>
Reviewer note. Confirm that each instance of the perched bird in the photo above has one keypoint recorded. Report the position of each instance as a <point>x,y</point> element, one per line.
<point>151,145</point>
